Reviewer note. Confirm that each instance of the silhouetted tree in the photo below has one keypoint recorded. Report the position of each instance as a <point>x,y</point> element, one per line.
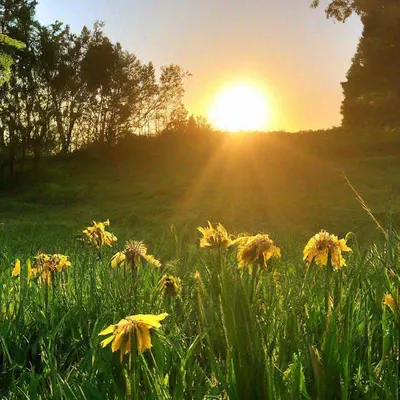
<point>68,90</point>
<point>372,89</point>
<point>342,9</point>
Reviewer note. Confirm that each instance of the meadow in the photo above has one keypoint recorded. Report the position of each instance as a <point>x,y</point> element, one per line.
<point>285,330</point>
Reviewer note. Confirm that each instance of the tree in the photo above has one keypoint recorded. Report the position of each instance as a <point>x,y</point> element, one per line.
<point>16,21</point>
<point>159,103</point>
<point>341,9</point>
<point>62,90</point>
<point>372,89</point>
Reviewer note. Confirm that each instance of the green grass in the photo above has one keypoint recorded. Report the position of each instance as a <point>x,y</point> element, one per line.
<point>218,341</point>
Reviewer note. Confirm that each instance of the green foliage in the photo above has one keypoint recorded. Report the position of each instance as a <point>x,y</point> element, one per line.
<point>6,60</point>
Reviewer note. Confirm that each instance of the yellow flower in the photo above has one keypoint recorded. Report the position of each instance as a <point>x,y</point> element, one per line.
<point>256,249</point>
<point>130,257</point>
<point>134,326</point>
<point>214,237</point>
<point>97,235</point>
<point>45,266</point>
<point>171,285</point>
<point>389,301</point>
<point>197,275</point>
<point>17,269</point>
<point>321,245</point>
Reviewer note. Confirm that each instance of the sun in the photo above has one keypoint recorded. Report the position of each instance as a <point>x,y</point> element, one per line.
<point>240,108</point>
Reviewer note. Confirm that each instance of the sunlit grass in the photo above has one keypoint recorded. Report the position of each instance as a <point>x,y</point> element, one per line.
<point>278,329</point>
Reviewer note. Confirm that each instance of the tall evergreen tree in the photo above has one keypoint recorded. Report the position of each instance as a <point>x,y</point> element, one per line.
<point>372,89</point>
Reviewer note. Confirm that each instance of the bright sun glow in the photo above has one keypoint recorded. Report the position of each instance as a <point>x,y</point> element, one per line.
<point>240,108</point>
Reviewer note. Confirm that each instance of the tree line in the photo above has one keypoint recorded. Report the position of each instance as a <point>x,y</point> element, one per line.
<point>60,90</point>
<point>67,90</point>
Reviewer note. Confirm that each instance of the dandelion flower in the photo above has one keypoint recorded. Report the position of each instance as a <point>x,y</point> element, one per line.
<point>323,244</point>
<point>197,275</point>
<point>256,249</point>
<point>45,266</point>
<point>97,235</point>
<point>214,237</point>
<point>130,328</point>
<point>170,285</point>
<point>134,251</point>
<point>389,301</point>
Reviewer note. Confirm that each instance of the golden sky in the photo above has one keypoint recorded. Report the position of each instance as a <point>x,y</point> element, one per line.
<point>290,52</point>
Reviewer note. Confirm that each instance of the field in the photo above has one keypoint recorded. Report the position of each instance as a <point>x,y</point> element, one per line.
<point>285,331</point>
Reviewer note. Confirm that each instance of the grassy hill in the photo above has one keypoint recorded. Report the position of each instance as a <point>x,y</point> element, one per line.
<point>287,184</point>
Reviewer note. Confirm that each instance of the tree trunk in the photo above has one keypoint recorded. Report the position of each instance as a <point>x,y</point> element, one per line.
<point>12,162</point>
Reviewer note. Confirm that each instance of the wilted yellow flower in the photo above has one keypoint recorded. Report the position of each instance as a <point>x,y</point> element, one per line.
<point>170,285</point>
<point>321,245</point>
<point>134,326</point>
<point>197,275</point>
<point>17,269</point>
<point>214,237</point>
<point>45,266</point>
<point>98,236</point>
<point>130,257</point>
<point>389,301</point>
<point>256,249</point>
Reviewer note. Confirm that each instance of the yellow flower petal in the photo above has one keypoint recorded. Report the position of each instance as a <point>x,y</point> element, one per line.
<point>143,338</point>
<point>118,259</point>
<point>107,331</point>
<point>118,341</point>
<point>31,273</point>
<point>152,260</point>
<point>17,268</point>
<point>106,341</point>
<point>149,319</point>
<point>322,257</point>
<point>214,237</point>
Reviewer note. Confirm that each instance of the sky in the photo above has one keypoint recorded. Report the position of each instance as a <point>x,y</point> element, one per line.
<point>289,51</point>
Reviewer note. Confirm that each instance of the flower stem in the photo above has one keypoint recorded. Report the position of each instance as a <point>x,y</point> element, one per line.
<point>254,281</point>
<point>327,289</point>
<point>46,302</point>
